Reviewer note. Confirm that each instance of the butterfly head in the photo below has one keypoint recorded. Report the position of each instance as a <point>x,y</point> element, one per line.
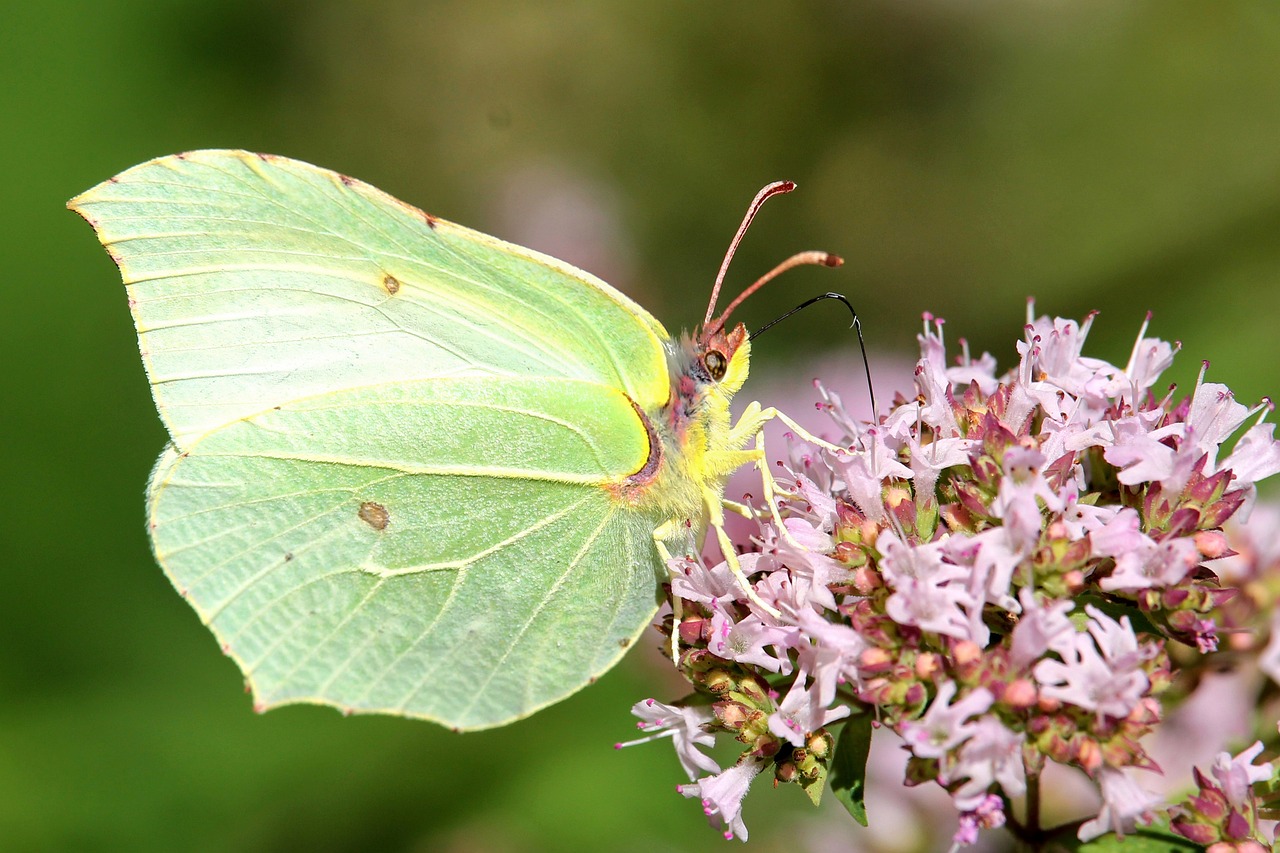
<point>707,369</point>
<point>722,356</point>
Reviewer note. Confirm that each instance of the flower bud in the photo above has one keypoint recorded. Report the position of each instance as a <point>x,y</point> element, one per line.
<point>1019,694</point>
<point>1089,754</point>
<point>926,665</point>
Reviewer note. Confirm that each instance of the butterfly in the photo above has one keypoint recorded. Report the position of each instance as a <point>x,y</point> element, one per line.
<point>412,469</point>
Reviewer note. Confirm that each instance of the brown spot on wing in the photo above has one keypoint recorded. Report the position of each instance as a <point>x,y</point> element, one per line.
<point>375,515</point>
<point>391,283</point>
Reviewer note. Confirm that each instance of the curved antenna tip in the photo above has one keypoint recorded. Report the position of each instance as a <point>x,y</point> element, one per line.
<point>769,190</point>
<point>856,325</point>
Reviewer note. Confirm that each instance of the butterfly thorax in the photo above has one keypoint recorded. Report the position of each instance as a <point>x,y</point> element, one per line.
<point>693,429</point>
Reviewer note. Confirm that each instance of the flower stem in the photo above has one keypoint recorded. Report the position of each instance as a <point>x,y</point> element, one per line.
<point>1033,802</point>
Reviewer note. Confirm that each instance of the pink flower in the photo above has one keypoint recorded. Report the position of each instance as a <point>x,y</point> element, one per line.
<point>1256,455</point>
<point>820,500</point>
<point>745,641</point>
<point>1099,669</point>
<point>1022,493</point>
<point>932,382</point>
<point>1039,629</point>
<point>929,592</point>
<point>805,553</point>
<point>981,371</point>
<point>931,606</point>
<point>864,471</point>
<point>1053,370</point>
<point>930,459</point>
<point>987,814</point>
<point>1119,535</point>
<point>1083,519</point>
<point>939,550</point>
<point>1150,358</point>
<point>693,580</point>
<point>722,795</point>
<point>943,727</point>
<point>1213,417</point>
<point>1116,640</point>
<point>991,755</point>
<point>1236,776</point>
<point>801,713</point>
<point>1138,450</point>
<point>832,657</point>
<point>1124,802</point>
<point>684,725</point>
<point>1141,562</point>
<point>1153,564</point>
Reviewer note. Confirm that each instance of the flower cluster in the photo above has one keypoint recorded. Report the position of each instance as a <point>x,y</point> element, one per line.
<point>1223,814</point>
<point>1006,571</point>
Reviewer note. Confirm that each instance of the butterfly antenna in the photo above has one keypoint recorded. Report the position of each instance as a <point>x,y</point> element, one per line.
<point>822,259</point>
<point>856,325</point>
<point>771,190</point>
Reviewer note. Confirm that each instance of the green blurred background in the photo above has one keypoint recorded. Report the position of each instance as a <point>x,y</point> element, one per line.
<point>961,156</point>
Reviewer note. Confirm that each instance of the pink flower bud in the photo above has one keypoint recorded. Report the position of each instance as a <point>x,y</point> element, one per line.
<point>1089,754</point>
<point>1212,544</point>
<point>1020,694</point>
<point>926,665</point>
<point>966,652</point>
<point>874,660</point>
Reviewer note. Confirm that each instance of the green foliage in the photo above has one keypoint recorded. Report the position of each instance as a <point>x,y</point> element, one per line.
<point>849,767</point>
<point>1153,839</point>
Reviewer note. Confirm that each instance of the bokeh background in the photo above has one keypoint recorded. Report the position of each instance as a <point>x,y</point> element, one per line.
<point>961,156</point>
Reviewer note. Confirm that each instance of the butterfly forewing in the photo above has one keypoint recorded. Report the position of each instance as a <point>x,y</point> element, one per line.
<point>257,280</point>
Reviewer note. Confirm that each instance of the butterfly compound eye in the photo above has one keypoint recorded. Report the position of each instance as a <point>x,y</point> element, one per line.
<point>716,365</point>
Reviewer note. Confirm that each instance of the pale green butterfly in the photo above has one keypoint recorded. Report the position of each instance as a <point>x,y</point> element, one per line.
<point>414,469</point>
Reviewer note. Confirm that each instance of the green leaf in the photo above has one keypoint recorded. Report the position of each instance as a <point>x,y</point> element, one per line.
<point>1148,839</point>
<point>1116,608</point>
<point>813,786</point>
<point>849,766</point>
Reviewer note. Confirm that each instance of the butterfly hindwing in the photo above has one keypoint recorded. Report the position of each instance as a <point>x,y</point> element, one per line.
<point>352,549</point>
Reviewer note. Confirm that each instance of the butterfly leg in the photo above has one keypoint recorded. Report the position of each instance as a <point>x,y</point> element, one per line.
<point>715,519</point>
<point>741,509</point>
<point>661,535</point>
<point>772,413</point>
<point>751,424</point>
